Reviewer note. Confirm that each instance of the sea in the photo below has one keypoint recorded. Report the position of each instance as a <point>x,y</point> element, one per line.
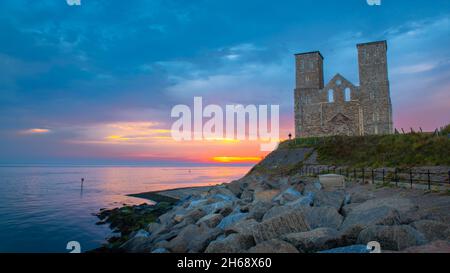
<point>43,208</point>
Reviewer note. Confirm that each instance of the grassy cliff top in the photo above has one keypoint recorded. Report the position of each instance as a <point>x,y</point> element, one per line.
<point>397,150</point>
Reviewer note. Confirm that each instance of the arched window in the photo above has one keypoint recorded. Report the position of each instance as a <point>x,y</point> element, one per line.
<point>347,94</point>
<point>331,95</point>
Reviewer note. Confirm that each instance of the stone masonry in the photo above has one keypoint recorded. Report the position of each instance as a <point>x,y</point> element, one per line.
<point>340,107</point>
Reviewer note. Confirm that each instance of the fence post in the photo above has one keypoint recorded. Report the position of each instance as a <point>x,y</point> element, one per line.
<point>363,175</point>
<point>383,175</point>
<point>373,177</point>
<point>429,180</point>
<point>395,177</point>
<point>410,178</point>
<point>449,177</point>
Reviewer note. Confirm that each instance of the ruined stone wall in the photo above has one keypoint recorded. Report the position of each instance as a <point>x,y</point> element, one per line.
<point>341,108</point>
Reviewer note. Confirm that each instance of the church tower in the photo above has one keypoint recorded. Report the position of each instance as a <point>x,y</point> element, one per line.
<point>374,84</point>
<point>309,80</point>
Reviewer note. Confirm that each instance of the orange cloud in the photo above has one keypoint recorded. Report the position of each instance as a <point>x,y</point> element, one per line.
<point>35,131</point>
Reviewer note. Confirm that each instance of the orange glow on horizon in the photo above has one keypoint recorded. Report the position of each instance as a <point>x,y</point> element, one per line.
<point>237,159</point>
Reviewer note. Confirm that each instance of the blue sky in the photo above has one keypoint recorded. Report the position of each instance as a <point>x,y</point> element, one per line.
<point>76,71</point>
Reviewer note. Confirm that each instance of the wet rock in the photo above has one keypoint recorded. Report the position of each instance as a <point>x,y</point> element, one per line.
<point>314,240</point>
<point>247,195</point>
<point>392,237</point>
<point>273,246</point>
<point>233,243</point>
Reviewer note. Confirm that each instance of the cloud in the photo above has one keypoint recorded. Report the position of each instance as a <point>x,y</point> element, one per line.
<point>35,131</point>
<point>73,2</point>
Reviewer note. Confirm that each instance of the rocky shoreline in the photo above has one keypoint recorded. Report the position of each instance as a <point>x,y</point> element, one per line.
<point>262,213</point>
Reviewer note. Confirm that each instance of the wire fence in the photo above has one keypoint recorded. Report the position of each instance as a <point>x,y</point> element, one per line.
<point>385,175</point>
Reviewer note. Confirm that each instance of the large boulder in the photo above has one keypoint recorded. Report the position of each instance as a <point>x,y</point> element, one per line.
<point>332,181</point>
<point>243,226</point>
<point>439,246</point>
<point>288,195</point>
<point>265,195</point>
<point>234,243</point>
<point>258,209</point>
<point>137,244</point>
<point>314,240</point>
<point>211,220</point>
<point>193,238</point>
<point>298,220</point>
<point>330,198</point>
<point>231,219</point>
<point>358,219</point>
<point>273,246</point>
<point>433,230</point>
<point>392,237</point>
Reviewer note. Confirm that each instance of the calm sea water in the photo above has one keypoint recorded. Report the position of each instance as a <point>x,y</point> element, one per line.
<point>43,208</point>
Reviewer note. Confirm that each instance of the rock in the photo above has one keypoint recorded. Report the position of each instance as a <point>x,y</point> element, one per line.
<point>439,246</point>
<point>332,181</point>
<point>392,237</point>
<point>258,210</point>
<point>273,246</point>
<point>304,201</point>
<point>290,194</point>
<point>244,226</point>
<point>217,207</point>
<point>314,240</point>
<point>247,195</point>
<point>296,220</point>
<point>211,220</point>
<point>154,227</point>
<point>234,243</point>
<point>235,187</point>
<point>317,217</point>
<point>193,238</point>
<point>348,249</point>
<point>160,250</point>
<point>196,203</point>
<point>138,244</point>
<point>361,197</point>
<point>265,195</point>
<point>275,211</point>
<point>432,230</point>
<point>359,219</point>
<point>330,198</point>
<point>401,204</point>
<point>231,219</point>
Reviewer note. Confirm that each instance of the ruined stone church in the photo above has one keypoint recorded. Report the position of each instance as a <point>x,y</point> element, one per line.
<point>340,107</point>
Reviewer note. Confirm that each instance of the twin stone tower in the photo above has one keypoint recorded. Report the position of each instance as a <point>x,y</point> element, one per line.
<point>340,107</point>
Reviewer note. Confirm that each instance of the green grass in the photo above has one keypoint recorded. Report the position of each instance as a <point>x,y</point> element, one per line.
<point>397,150</point>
